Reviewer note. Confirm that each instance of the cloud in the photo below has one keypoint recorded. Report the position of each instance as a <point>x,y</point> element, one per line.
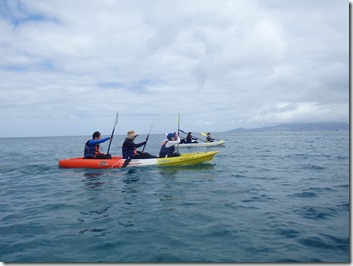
<point>68,67</point>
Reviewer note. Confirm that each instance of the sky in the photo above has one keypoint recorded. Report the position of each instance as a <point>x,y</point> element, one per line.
<point>67,67</point>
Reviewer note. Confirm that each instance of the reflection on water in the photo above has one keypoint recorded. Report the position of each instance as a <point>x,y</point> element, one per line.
<point>96,214</point>
<point>132,176</point>
<point>92,181</point>
<point>171,172</point>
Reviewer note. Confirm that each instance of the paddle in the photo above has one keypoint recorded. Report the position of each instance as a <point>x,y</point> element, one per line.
<point>111,137</point>
<point>178,128</point>
<point>182,131</point>
<point>178,123</point>
<point>127,161</point>
<point>147,138</point>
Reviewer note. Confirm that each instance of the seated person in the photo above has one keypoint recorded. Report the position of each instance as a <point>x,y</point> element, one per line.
<point>168,146</point>
<point>209,138</point>
<point>129,148</point>
<point>92,148</point>
<point>190,138</point>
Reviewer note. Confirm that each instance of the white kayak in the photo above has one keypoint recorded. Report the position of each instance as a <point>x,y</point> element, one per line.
<point>202,144</point>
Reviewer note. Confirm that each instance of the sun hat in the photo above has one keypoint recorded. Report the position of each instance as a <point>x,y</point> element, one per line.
<point>131,134</point>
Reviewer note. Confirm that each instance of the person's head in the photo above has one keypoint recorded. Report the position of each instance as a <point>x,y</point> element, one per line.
<point>131,134</point>
<point>189,133</point>
<point>171,136</point>
<point>96,135</point>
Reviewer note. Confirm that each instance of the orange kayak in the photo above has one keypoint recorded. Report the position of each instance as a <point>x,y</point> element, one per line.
<point>115,162</point>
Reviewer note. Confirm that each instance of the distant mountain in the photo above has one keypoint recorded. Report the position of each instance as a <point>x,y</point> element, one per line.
<point>297,127</point>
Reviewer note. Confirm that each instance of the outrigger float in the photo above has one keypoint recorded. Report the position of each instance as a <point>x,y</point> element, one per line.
<point>118,161</point>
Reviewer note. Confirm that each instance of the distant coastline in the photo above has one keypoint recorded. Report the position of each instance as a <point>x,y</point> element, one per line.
<point>297,127</point>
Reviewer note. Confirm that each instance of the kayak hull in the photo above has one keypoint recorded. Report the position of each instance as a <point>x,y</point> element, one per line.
<point>202,144</point>
<point>118,161</point>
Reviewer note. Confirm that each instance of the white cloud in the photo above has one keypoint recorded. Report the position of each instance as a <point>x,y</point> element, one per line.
<point>221,64</point>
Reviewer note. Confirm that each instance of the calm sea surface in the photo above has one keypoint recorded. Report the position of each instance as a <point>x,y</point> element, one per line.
<point>266,197</point>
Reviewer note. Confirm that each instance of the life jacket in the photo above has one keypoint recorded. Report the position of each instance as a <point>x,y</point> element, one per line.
<point>91,151</point>
<point>166,151</point>
<point>128,152</point>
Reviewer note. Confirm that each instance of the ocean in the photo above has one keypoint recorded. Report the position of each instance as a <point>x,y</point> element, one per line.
<point>266,197</point>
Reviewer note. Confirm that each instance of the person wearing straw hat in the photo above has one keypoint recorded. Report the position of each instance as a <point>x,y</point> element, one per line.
<point>129,148</point>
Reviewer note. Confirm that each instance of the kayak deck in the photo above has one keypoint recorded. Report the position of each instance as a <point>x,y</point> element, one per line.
<point>118,161</point>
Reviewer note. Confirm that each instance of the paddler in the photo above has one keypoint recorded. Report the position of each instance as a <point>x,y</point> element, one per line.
<point>190,138</point>
<point>168,146</point>
<point>209,137</point>
<point>92,148</point>
<point>129,148</point>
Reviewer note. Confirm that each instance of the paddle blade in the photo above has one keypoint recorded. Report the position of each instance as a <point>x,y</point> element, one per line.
<point>116,119</point>
<point>127,161</point>
<point>178,123</point>
<point>203,134</point>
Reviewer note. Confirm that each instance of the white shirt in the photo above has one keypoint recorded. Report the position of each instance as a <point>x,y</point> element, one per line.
<point>172,142</point>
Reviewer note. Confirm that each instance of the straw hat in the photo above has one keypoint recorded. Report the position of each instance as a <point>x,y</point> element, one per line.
<point>131,134</point>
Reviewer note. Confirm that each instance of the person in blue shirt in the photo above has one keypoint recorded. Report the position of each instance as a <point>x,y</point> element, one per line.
<point>92,148</point>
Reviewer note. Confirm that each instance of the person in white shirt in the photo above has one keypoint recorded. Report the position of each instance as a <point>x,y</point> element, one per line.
<point>168,146</point>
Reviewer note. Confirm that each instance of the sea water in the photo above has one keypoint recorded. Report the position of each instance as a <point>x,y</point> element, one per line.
<point>266,197</point>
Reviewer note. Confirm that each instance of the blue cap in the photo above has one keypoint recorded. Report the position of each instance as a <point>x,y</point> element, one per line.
<point>170,135</point>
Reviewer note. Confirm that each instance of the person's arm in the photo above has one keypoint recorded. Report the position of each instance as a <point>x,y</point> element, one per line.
<point>140,144</point>
<point>131,144</point>
<point>97,141</point>
<point>171,143</point>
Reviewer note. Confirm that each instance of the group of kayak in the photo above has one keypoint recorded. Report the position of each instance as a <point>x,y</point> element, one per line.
<point>94,158</point>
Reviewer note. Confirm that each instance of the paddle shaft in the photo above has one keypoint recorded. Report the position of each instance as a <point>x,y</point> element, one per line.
<point>178,129</point>
<point>111,137</point>
<point>147,138</point>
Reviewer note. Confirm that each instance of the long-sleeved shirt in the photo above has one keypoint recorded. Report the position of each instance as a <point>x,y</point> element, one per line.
<point>129,147</point>
<point>93,142</point>
<point>172,142</point>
